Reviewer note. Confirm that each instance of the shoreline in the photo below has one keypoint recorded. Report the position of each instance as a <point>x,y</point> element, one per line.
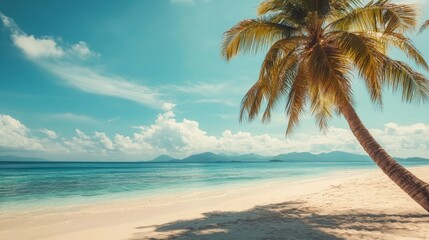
<point>154,194</point>
<point>144,217</point>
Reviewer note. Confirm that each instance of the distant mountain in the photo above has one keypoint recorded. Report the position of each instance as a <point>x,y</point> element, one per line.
<point>164,158</point>
<point>21,159</point>
<point>209,157</point>
<point>325,157</point>
<point>250,158</point>
<point>412,159</point>
<point>295,156</point>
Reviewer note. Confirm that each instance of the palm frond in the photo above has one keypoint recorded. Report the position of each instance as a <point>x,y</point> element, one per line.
<point>399,75</point>
<point>322,107</point>
<point>297,97</point>
<point>253,35</point>
<point>328,67</point>
<point>344,5</point>
<point>284,19</point>
<point>407,46</point>
<point>283,11</point>
<point>359,48</point>
<point>329,70</point>
<point>270,6</point>
<point>282,78</point>
<point>378,16</point>
<point>323,7</point>
<point>251,102</point>
<point>277,70</point>
<point>424,26</point>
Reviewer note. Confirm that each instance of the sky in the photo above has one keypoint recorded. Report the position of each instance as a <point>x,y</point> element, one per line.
<point>130,80</point>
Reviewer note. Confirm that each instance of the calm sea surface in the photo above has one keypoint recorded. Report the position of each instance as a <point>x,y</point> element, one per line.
<point>33,185</point>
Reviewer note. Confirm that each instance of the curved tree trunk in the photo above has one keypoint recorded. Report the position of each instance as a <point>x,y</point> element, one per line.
<point>413,186</point>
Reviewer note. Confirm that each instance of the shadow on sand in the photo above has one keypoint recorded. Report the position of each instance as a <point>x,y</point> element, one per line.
<point>287,220</point>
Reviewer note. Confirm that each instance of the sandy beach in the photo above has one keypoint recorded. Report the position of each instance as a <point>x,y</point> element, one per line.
<point>348,205</point>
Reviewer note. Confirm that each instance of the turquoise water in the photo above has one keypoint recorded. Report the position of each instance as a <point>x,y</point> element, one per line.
<point>31,185</point>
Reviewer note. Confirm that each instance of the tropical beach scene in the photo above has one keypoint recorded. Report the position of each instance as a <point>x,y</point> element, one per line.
<point>214,119</point>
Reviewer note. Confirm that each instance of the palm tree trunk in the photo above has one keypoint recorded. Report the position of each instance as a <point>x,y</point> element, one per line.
<point>409,183</point>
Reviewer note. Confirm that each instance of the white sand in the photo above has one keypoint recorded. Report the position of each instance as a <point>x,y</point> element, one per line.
<point>353,205</point>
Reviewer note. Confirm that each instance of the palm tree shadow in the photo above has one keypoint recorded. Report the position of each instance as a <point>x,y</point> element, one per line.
<point>283,221</point>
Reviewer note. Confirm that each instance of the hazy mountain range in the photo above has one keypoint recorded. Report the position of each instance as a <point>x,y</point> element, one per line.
<point>10,158</point>
<point>288,157</point>
<point>210,157</point>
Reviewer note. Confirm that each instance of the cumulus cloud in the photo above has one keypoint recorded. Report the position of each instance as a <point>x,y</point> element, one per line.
<point>51,134</point>
<point>37,48</point>
<point>97,144</point>
<point>15,135</point>
<point>405,139</point>
<point>82,50</point>
<point>68,64</point>
<point>180,138</point>
<point>167,135</point>
<point>168,106</point>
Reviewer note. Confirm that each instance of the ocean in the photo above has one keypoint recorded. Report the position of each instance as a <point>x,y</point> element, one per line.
<point>32,185</point>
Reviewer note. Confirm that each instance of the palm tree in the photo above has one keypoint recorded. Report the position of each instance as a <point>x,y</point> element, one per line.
<point>314,47</point>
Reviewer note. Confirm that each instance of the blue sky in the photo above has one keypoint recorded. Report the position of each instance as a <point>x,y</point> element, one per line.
<point>129,80</point>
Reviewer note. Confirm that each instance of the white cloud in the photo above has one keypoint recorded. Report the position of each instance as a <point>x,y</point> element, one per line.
<point>98,144</point>
<point>82,50</point>
<point>71,117</point>
<point>31,46</point>
<point>201,88</point>
<point>7,22</point>
<point>405,139</point>
<point>104,140</point>
<point>168,106</point>
<point>225,101</point>
<point>37,48</point>
<point>51,134</point>
<point>167,135</point>
<point>91,81</point>
<point>15,135</point>
<point>67,63</point>
<point>219,92</point>
<point>127,144</point>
